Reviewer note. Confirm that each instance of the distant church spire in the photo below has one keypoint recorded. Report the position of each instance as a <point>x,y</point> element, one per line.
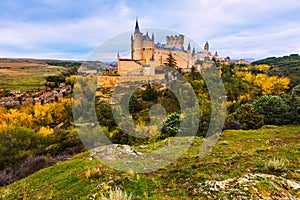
<point>152,37</point>
<point>194,51</point>
<point>137,28</point>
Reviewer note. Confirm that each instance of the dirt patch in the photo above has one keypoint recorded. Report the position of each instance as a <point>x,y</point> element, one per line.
<point>13,72</point>
<point>20,65</point>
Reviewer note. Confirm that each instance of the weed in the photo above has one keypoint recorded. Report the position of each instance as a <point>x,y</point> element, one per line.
<point>276,164</point>
<point>116,194</point>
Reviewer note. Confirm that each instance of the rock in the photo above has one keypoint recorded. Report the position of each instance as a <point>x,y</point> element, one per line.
<point>114,152</point>
<point>293,185</point>
<point>247,187</point>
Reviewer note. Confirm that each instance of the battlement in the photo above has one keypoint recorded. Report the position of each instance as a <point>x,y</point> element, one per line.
<point>175,41</point>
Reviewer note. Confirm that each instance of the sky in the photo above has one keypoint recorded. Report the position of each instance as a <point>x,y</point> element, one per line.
<point>68,29</point>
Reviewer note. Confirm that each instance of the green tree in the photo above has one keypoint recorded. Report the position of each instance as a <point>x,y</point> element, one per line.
<point>171,125</point>
<point>274,110</point>
<point>134,104</point>
<point>149,94</point>
<point>248,117</point>
<point>171,62</point>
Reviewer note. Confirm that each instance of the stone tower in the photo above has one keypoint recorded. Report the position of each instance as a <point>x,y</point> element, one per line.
<point>175,41</point>
<point>137,43</point>
<point>142,46</point>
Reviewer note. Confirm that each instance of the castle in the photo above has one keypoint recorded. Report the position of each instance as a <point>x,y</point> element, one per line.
<point>146,55</point>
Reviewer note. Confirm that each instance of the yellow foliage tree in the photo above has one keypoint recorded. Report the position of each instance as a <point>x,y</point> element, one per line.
<point>271,84</point>
<point>46,130</point>
<point>262,67</point>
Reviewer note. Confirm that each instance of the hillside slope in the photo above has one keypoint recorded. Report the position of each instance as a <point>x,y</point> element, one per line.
<point>242,165</point>
<point>288,66</point>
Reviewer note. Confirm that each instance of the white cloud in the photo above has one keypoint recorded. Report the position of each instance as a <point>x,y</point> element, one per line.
<point>236,28</point>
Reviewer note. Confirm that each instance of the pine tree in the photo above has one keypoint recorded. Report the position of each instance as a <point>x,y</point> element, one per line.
<point>171,62</point>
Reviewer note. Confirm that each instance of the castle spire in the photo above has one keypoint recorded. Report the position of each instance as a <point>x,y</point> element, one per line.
<point>137,28</point>
<point>206,46</point>
<point>153,37</point>
<point>189,47</point>
<point>194,51</point>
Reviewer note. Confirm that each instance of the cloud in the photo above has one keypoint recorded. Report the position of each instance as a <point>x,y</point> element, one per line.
<point>236,28</point>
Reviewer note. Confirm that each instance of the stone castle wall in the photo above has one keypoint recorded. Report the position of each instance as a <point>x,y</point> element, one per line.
<point>175,41</point>
<point>111,81</point>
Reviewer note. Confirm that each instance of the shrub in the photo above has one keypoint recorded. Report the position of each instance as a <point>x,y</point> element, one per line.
<point>149,94</point>
<point>171,125</point>
<point>116,194</point>
<point>32,165</point>
<point>134,104</point>
<point>232,124</point>
<point>276,164</point>
<point>248,117</point>
<point>17,144</point>
<point>6,176</point>
<point>274,110</point>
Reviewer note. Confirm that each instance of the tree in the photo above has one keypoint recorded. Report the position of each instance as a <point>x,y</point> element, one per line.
<point>149,94</point>
<point>17,144</point>
<point>248,117</point>
<point>171,62</point>
<point>274,110</point>
<point>134,104</point>
<point>171,125</point>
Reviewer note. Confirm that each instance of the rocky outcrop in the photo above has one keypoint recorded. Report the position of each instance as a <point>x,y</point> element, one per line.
<point>251,186</point>
<point>114,152</point>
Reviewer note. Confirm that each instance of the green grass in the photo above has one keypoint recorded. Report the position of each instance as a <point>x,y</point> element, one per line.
<point>236,153</point>
<point>36,77</point>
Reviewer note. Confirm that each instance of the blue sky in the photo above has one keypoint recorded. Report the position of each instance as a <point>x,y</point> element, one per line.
<point>68,29</point>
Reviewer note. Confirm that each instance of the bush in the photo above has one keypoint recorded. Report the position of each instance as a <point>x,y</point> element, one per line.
<point>32,165</point>
<point>171,125</point>
<point>134,104</point>
<point>232,124</point>
<point>149,94</point>
<point>6,176</point>
<point>116,194</point>
<point>248,117</point>
<point>17,144</point>
<point>274,110</point>
<point>276,164</point>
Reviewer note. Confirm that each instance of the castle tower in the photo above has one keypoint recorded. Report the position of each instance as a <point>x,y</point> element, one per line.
<point>188,56</point>
<point>119,64</point>
<point>148,48</point>
<point>136,43</point>
<point>189,48</point>
<point>175,41</point>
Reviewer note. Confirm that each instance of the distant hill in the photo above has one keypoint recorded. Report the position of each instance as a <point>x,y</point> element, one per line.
<point>288,66</point>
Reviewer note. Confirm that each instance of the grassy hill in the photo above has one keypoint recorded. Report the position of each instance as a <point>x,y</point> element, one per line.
<point>23,74</point>
<point>244,164</point>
